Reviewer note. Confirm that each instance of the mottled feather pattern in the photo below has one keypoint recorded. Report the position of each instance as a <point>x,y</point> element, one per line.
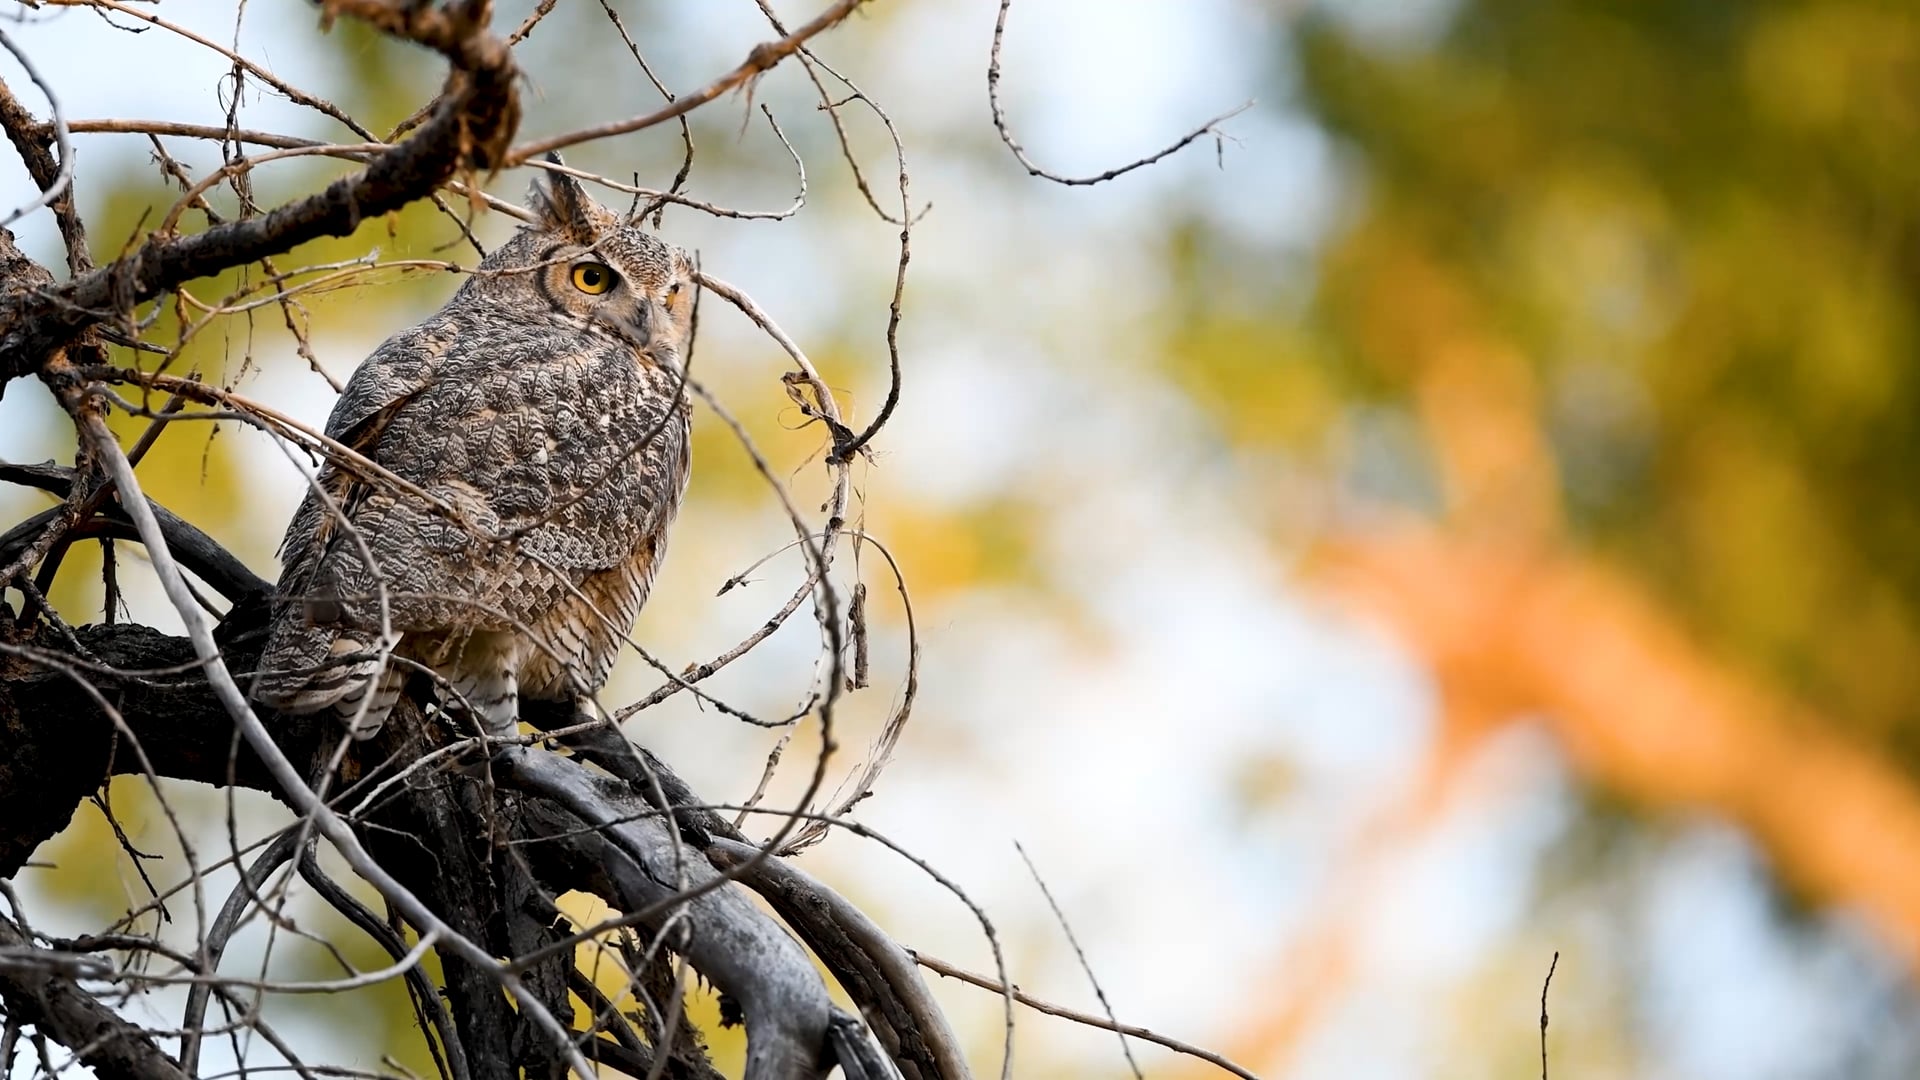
<point>548,417</point>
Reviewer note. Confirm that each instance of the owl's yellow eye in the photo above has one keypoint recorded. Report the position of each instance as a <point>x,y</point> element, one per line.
<point>673,295</point>
<point>592,278</point>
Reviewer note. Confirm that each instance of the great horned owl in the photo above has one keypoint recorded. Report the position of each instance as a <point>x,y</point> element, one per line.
<point>543,404</point>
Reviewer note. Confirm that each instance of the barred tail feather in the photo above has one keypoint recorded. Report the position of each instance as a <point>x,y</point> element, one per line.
<point>365,707</point>
<point>306,669</point>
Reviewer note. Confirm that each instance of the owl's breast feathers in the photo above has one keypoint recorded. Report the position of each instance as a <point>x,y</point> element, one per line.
<point>571,452</point>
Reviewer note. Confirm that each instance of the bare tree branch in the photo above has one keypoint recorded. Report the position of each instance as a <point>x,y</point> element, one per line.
<point>760,60</point>
<point>470,129</point>
<point>883,981</point>
<point>35,990</point>
<point>1211,127</point>
<point>1038,1005</point>
<point>54,176</point>
<point>726,939</point>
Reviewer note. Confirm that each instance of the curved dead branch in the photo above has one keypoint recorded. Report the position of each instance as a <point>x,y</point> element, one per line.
<point>630,858</point>
<point>1007,139</point>
<point>36,990</point>
<point>477,115</point>
<point>876,971</point>
<point>197,551</point>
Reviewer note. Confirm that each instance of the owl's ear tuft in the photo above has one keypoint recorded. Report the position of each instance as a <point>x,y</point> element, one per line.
<point>565,207</point>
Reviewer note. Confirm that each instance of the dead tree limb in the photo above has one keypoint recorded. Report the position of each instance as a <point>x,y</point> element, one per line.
<point>36,987</point>
<point>478,113</point>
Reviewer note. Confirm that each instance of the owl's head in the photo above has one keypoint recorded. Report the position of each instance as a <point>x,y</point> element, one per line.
<point>589,266</point>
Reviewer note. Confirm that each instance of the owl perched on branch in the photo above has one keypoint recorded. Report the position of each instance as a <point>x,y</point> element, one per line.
<point>543,408</point>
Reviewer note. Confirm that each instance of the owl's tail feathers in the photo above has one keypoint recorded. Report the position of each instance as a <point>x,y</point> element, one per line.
<point>306,669</point>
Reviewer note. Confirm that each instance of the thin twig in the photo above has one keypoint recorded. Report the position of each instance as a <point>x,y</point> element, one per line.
<point>64,179</point>
<point>762,58</point>
<point>657,207</point>
<point>987,982</point>
<point>1080,955</point>
<point>1544,986</point>
<point>293,93</point>
<point>1020,154</point>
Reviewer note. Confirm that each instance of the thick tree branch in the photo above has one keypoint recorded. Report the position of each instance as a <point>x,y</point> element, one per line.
<point>197,551</point>
<point>32,140</point>
<point>874,969</point>
<point>187,735</point>
<point>631,855</point>
<point>51,767</point>
<point>35,992</point>
<point>471,128</point>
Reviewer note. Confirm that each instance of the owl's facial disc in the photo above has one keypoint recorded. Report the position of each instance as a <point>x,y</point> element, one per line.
<point>590,287</point>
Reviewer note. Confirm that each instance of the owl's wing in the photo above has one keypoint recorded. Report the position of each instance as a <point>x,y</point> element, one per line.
<point>566,461</point>
<point>403,366</point>
<point>386,385</point>
<point>383,384</point>
<point>312,660</point>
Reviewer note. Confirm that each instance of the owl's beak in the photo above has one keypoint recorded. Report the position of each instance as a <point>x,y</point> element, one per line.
<point>635,327</point>
<point>640,324</point>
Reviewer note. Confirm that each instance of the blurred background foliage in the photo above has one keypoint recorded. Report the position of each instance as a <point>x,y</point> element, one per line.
<point>1587,374</point>
<point>1697,229</point>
